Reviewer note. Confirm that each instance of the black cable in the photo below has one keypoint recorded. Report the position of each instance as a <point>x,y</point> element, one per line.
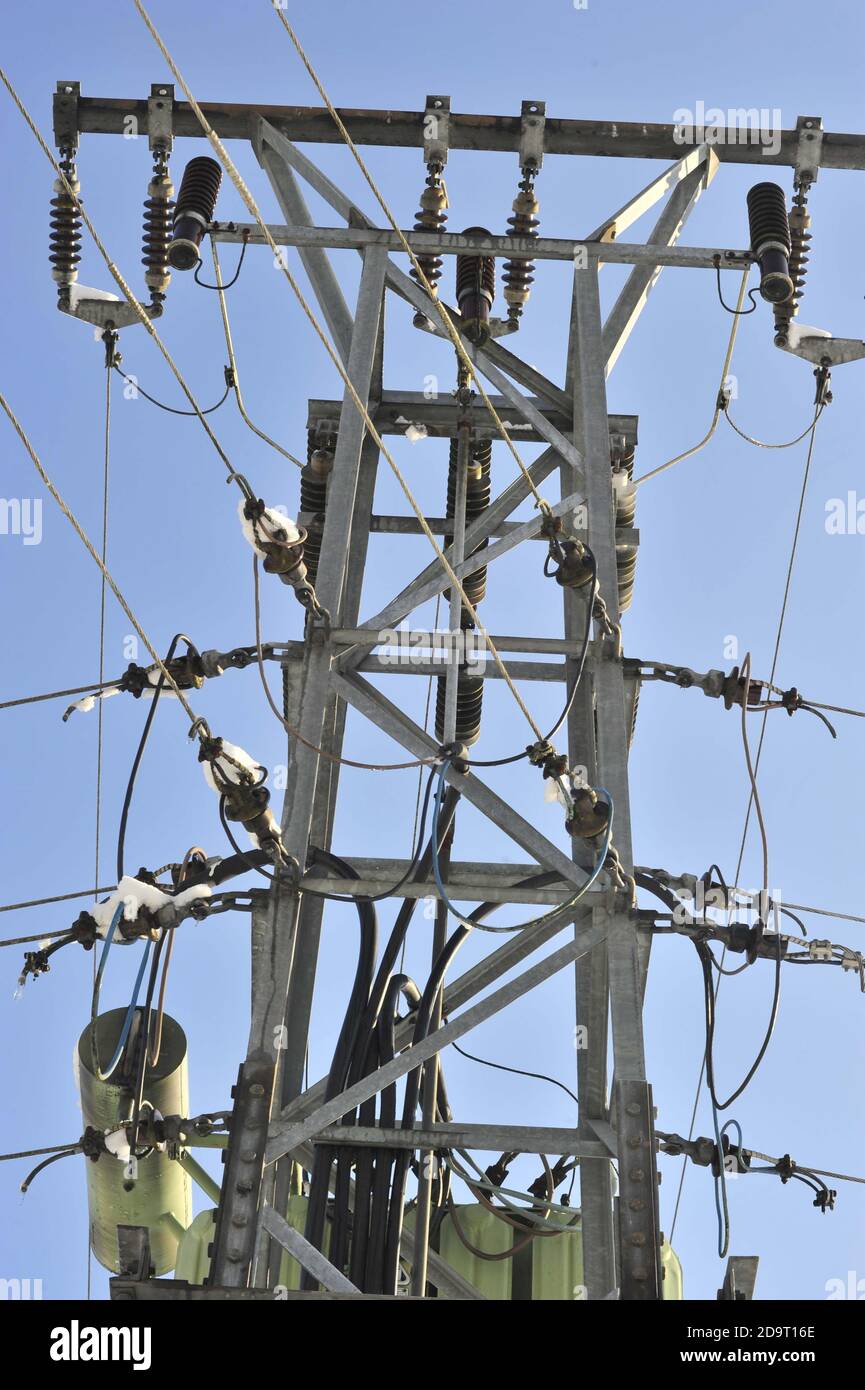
<point>517,1071</point>
<point>249,860</point>
<point>171,409</point>
<point>704,955</point>
<point>46,1163</point>
<point>340,1065</point>
<point>157,691</point>
<point>234,278</point>
<point>737,313</point>
<point>389,892</point>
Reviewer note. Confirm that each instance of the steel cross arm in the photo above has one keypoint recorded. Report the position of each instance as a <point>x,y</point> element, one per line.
<point>517,670</point>
<point>642,279</point>
<point>613,227</point>
<point>402,283</point>
<point>316,261</point>
<point>306,1255</point>
<point>554,437</point>
<point>434,579</point>
<point>286,1136</point>
<point>457,244</point>
<point>740,143</point>
<point>395,722</point>
<point>530,1139</point>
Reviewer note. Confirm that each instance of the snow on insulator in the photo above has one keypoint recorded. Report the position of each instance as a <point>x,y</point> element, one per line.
<point>134,894</point>
<point>415,433</point>
<point>227,769</point>
<point>85,705</point>
<point>286,532</point>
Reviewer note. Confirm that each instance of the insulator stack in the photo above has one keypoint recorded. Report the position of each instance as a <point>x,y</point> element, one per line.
<point>470,689</point>
<point>800,237</point>
<point>770,240</point>
<point>431,217</point>
<point>65,238</point>
<point>313,499</point>
<point>193,214</point>
<point>625,497</point>
<point>158,220</point>
<point>470,697</point>
<point>519,275</point>
<point>476,290</point>
<point>477,501</point>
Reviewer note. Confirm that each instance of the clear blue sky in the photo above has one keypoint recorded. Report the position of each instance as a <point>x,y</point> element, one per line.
<point>715,540</point>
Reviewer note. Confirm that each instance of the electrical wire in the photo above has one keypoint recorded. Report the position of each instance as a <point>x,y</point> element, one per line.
<point>172,410</point>
<point>142,744</point>
<point>295,733</point>
<point>557,911</point>
<point>140,311</point>
<point>251,204</point>
<point>740,313</point>
<point>85,539</point>
<point>719,399</point>
<point>235,379</point>
<point>219,286</point>
<point>788,444</point>
<point>779,633</point>
<point>517,1071</point>
<point>55,694</point>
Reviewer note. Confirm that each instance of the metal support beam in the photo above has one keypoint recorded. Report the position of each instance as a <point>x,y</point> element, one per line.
<point>285,1137</point>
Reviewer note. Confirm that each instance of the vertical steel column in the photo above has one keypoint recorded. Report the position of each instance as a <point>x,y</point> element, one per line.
<point>625,984</point>
<point>275,927</point>
<point>591,973</point>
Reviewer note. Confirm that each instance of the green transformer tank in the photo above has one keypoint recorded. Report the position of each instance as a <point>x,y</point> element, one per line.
<point>160,1198</point>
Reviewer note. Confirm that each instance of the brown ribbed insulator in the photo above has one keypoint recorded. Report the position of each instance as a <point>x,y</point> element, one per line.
<point>518,276</point>
<point>476,290</point>
<point>470,698</point>
<point>196,202</point>
<point>477,501</point>
<point>625,495</point>
<point>313,499</point>
<point>65,237</point>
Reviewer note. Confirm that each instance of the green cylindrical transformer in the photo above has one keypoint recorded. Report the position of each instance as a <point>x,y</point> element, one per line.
<point>161,1196</point>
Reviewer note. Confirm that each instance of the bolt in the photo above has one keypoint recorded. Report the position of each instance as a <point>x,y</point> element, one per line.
<point>244,1188</point>
<point>256,1089</point>
<point>634,1142</point>
<point>632,1108</point>
<point>239,1221</point>
<point>636,1175</point>
<point>640,1275</point>
<point>638,1238</point>
<point>249,1155</point>
<point>235,1256</point>
<point>636,1204</point>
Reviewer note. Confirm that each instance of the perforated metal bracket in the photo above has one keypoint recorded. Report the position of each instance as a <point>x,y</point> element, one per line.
<point>639,1236</point>
<point>533,116</point>
<point>160,116</point>
<point>236,1218</point>
<point>436,126</point>
<point>810,144</point>
<point>66,115</point>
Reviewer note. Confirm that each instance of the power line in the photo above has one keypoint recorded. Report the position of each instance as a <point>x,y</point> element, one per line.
<point>775,654</point>
<point>139,309</point>
<point>251,204</point>
<point>85,539</point>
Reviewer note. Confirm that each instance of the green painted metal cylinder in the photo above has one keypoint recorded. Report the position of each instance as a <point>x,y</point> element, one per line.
<point>161,1196</point>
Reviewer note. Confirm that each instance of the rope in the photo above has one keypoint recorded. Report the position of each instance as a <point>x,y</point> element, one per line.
<point>232,362</point>
<point>251,204</point>
<point>719,399</point>
<point>431,290</point>
<point>793,550</point>
<point>140,311</point>
<point>86,541</point>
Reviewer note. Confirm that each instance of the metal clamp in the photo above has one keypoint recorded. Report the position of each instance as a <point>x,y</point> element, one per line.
<point>808,149</point>
<point>436,130</point>
<point>66,115</point>
<point>533,117</point>
<point>160,116</point>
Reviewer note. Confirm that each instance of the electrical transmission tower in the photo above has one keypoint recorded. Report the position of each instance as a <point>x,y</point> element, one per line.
<point>342,1129</point>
